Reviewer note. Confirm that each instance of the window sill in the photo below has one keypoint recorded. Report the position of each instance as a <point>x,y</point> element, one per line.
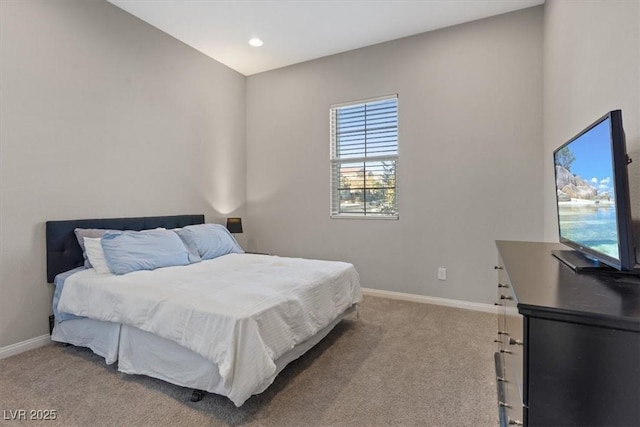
<point>374,217</point>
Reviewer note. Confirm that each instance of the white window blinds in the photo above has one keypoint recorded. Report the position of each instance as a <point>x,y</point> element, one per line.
<point>364,158</point>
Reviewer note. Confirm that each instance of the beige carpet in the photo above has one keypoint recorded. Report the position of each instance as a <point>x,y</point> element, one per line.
<point>400,363</point>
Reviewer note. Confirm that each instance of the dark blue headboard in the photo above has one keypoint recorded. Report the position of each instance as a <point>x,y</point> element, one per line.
<point>63,250</point>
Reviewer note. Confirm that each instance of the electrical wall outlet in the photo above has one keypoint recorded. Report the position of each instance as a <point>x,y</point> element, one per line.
<point>442,273</point>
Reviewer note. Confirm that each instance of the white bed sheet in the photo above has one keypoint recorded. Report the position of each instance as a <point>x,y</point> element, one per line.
<point>142,353</point>
<point>240,311</point>
<point>101,337</point>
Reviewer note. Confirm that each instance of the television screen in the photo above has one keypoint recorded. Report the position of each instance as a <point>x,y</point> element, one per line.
<point>593,193</point>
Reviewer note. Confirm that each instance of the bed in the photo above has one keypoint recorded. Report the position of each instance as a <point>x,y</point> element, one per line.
<point>226,325</point>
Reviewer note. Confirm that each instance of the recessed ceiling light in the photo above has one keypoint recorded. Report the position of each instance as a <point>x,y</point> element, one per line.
<point>255,42</point>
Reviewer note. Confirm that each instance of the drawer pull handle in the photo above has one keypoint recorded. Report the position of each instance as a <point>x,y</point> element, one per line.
<point>504,404</point>
<point>503,333</point>
<point>497,341</point>
<point>502,379</point>
<point>506,351</point>
<point>506,297</point>
<point>515,342</point>
<point>496,303</point>
<point>503,285</point>
<point>513,422</point>
<point>497,267</point>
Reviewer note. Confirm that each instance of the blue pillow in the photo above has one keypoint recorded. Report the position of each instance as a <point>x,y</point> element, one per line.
<point>127,251</point>
<point>209,240</point>
<point>194,256</point>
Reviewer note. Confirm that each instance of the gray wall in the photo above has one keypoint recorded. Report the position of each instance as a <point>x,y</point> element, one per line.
<point>470,102</point>
<point>103,116</point>
<point>591,66</point>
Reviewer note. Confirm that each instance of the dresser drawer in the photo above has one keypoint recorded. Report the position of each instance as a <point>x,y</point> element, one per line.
<point>501,333</point>
<point>514,411</point>
<point>514,345</point>
<point>510,406</point>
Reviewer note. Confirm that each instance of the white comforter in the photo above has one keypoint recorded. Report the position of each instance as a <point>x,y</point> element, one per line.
<point>240,311</point>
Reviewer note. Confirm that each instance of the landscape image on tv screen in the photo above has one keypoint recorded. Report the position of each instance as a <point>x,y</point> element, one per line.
<point>585,191</point>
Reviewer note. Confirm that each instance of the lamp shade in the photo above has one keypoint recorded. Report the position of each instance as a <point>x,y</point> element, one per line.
<point>234,225</point>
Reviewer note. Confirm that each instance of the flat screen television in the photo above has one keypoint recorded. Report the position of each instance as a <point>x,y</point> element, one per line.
<point>592,192</point>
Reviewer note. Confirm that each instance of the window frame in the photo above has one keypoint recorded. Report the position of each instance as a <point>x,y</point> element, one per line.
<point>334,211</point>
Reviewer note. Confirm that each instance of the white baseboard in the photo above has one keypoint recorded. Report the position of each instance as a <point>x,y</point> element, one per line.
<point>17,348</point>
<point>466,305</point>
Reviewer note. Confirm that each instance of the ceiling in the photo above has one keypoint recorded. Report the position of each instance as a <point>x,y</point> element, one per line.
<point>294,31</point>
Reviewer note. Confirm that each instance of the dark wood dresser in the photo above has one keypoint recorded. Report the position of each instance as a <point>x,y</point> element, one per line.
<point>568,343</point>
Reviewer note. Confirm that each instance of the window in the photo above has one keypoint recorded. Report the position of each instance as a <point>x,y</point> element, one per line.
<point>364,158</point>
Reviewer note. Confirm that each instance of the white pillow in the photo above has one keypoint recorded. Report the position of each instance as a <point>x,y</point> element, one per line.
<point>96,255</point>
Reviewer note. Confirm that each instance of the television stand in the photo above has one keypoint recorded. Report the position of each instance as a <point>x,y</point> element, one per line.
<point>568,344</point>
<point>580,263</point>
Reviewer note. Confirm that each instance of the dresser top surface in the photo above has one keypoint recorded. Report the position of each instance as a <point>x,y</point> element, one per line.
<point>541,281</point>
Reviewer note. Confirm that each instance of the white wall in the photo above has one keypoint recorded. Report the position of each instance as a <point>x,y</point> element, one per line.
<point>470,102</point>
<point>103,116</point>
<point>591,66</point>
